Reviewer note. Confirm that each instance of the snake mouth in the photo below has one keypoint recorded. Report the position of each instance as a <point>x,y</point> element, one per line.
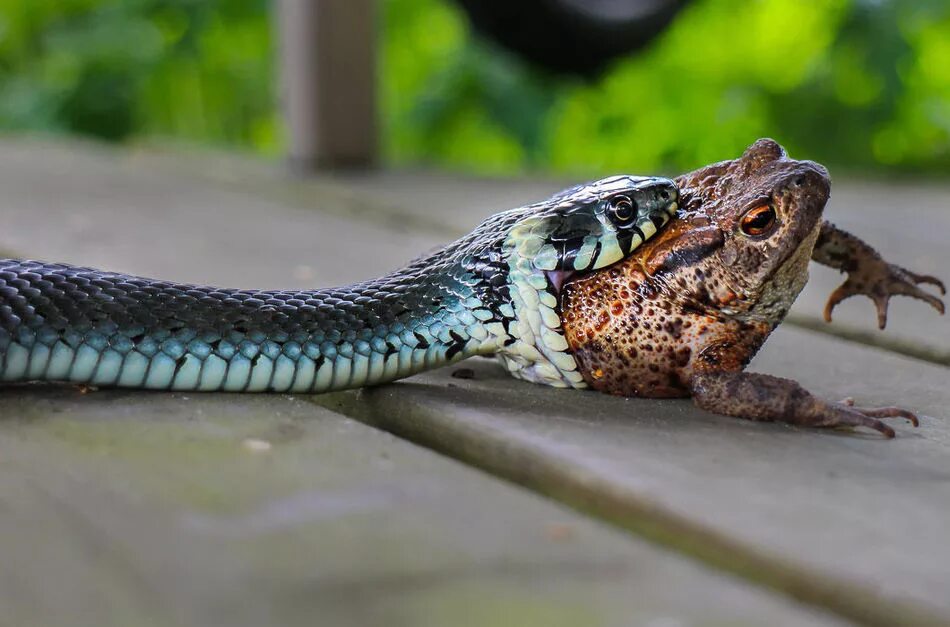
<point>557,278</point>
<point>646,227</point>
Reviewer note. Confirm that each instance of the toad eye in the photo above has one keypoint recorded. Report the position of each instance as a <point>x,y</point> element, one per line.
<point>758,220</point>
<point>622,209</point>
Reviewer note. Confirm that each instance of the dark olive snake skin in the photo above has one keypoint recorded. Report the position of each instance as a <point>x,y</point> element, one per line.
<point>493,291</point>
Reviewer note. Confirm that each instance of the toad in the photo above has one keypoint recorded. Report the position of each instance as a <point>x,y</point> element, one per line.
<point>687,311</point>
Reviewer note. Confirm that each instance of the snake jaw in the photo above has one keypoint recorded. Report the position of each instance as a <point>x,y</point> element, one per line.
<point>557,278</point>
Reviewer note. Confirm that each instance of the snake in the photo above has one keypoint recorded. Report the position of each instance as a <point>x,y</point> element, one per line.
<point>492,292</point>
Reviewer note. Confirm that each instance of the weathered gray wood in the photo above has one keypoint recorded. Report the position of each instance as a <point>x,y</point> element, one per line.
<point>801,511</point>
<point>110,210</point>
<point>161,509</point>
<point>328,72</point>
<point>848,521</point>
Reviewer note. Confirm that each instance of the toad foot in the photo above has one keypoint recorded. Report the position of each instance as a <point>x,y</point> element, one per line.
<point>767,398</point>
<point>869,274</point>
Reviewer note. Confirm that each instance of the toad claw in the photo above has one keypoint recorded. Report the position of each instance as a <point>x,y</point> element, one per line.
<point>879,281</point>
<point>889,412</point>
<point>847,415</point>
<point>926,278</point>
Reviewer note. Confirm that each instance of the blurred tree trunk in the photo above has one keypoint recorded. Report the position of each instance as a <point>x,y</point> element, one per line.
<point>328,82</point>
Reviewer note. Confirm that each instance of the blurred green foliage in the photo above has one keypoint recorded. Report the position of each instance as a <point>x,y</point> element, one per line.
<point>863,84</point>
<point>196,69</point>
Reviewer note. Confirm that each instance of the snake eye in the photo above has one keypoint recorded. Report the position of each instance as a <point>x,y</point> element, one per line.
<point>622,209</point>
<point>758,220</point>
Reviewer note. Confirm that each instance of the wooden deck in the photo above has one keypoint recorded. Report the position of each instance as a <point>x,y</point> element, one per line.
<point>442,501</point>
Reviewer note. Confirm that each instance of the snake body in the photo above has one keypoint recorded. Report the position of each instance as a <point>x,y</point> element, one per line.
<point>493,291</point>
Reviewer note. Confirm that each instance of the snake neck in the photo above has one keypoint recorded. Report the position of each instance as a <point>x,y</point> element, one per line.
<point>535,348</point>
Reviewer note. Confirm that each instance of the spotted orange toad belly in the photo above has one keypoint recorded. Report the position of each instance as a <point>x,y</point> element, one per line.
<point>630,338</point>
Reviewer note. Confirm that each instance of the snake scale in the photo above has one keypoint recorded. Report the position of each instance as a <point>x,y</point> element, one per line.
<point>493,291</point>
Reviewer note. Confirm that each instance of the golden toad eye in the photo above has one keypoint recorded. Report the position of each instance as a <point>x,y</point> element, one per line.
<point>622,209</point>
<point>758,221</point>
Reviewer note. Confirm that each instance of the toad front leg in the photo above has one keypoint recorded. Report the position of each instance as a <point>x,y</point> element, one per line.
<point>868,273</point>
<point>773,399</point>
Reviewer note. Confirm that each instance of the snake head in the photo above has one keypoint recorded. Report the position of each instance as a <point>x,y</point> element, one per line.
<point>582,229</point>
<point>591,226</point>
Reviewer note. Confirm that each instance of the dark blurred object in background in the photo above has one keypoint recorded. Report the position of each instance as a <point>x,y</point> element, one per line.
<point>572,36</point>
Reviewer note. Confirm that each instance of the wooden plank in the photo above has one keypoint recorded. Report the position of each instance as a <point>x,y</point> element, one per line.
<point>166,509</point>
<point>110,210</point>
<point>134,508</point>
<point>328,71</point>
<point>850,522</point>
<point>738,485</point>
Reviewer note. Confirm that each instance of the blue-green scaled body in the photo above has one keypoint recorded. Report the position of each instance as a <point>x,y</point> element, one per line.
<point>494,291</point>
